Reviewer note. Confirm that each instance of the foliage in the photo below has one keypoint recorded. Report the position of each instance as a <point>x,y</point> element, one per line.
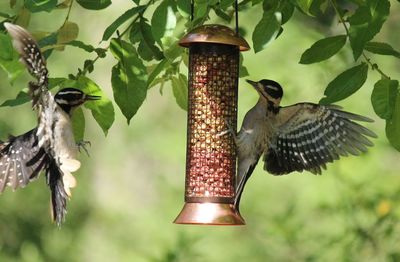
<point>152,52</point>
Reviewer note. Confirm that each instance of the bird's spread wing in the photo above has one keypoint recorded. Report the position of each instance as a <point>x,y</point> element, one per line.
<point>42,99</point>
<point>312,135</point>
<point>32,57</point>
<point>21,160</point>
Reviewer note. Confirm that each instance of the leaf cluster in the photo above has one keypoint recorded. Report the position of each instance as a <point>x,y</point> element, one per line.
<point>144,42</point>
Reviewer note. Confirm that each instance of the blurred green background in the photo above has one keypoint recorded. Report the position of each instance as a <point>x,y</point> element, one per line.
<point>131,187</point>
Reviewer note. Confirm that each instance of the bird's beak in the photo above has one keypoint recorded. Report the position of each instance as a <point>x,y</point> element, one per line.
<point>254,84</point>
<point>90,98</point>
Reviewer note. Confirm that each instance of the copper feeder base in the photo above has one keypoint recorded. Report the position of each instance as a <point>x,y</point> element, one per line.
<point>209,214</point>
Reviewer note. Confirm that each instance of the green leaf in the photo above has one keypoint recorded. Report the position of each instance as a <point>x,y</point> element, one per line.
<point>13,3</point>
<point>6,50</point>
<point>120,20</point>
<point>183,8</point>
<point>23,97</point>
<point>323,49</point>
<point>383,97</point>
<point>81,45</point>
<point>103,109</point>
<point>305,5</point>
<point>157,70</point>
<point>381,49</point>
<point>172,50</point>
<point>40,5</point>
<point>78,124</point>
<point>163,21</point>
<point>366,22</point>
<point>129,78</point>
<point>393,125</point>
<point>23,18</point>
<point>345,84</point>
<point>67,33</point>
<point>242,69</point>
<point>147,48</point>
<point>287,10</point>
<point>94,4</point>
<point>9,59</point>
<point>266,30</point>
<point>180,90</point>
<point>48,41</point>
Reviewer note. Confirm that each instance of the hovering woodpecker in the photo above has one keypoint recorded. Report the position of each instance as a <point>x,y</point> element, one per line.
<point>299,137</point>
<point>50,146</point>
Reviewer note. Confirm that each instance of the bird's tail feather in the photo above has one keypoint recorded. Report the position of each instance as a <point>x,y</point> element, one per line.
<point>58,195</point>
<point>240,186</point>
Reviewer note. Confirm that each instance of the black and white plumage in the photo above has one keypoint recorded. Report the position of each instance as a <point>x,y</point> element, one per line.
<point>51,145</point>
<point>300,137</point>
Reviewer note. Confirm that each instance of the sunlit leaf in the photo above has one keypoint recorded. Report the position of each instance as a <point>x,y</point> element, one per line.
<point>305,5</point>
<point>94,4</point>
<point>366,22</point>
<point>68,32</point>
<point>383,97</point>
<point>381,49</point>
<point>163,21</point>
<point>180,90</point>
<point>40,5</point>
<point>129,78</point>
<point>120,20</point>
<point>345,84</point>
<point>323,49</point>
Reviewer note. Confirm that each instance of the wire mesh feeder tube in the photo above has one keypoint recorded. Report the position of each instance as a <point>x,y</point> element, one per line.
<point>211,154</point>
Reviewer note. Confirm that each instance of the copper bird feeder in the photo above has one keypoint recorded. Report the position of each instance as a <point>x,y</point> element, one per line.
<point>211,155</point>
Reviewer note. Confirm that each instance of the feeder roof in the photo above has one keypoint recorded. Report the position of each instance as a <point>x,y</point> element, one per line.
<point>217,34</point>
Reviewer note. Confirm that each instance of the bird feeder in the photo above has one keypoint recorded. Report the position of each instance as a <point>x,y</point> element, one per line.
<point>211,154</point>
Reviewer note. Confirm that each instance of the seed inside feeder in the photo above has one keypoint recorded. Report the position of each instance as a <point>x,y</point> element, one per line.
<point>212,104</point>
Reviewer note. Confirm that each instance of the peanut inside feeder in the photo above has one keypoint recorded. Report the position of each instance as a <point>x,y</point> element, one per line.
<point>211,156</point>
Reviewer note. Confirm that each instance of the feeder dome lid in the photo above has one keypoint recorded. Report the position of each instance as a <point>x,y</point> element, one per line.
<point>217,34</point>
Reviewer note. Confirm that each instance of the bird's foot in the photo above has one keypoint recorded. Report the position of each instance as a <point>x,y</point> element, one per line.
<point>83,145</point>
<point>229,130</point>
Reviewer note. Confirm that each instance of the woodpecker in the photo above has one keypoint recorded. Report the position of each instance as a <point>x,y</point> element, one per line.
<point>51,145</point>
<point>303,136</point>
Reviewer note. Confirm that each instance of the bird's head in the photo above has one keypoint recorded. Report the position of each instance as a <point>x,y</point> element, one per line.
<point>269,90</point>
<point>70,98</point>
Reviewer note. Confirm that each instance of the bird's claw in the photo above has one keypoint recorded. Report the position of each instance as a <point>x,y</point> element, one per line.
<point>83,145</point>
<point>229,130</point>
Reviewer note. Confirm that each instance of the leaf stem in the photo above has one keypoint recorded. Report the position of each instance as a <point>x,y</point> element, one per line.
<point>68,13</point>
<point>366,58</point>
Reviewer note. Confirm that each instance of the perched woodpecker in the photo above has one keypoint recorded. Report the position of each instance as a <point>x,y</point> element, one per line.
<point>299,137</point>
<point>50,146</point>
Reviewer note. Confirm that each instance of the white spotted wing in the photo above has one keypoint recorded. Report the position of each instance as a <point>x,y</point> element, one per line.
<point>311,135</point>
